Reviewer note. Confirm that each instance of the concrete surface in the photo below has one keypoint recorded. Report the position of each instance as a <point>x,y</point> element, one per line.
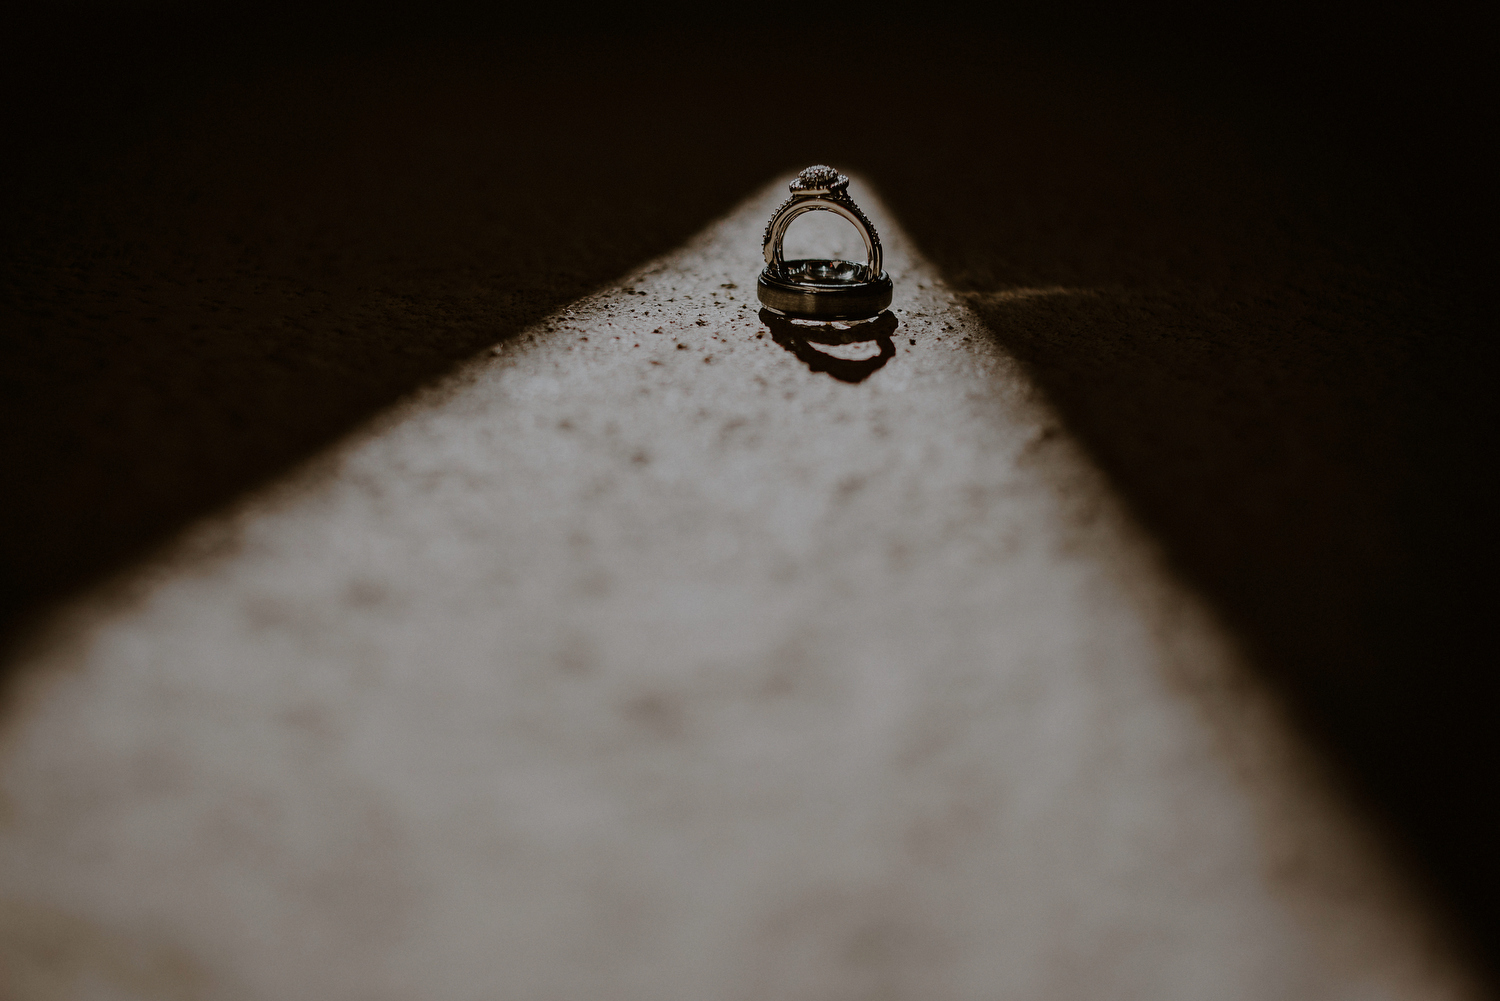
<point>642,659</point>
<point>224,248</point>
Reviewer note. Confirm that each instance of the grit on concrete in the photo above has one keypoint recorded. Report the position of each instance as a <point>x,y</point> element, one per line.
<point>640,660</point>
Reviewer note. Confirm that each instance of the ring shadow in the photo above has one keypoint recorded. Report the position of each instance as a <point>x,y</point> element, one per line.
<point>801,338</point>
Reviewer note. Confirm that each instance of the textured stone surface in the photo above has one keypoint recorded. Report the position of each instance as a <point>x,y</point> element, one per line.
<point>639,659</point>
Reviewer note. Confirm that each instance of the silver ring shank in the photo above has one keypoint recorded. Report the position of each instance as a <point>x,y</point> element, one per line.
<point>794,207</point>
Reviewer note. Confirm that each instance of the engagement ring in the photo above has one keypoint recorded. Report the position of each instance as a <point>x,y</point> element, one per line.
<point>821,289</point>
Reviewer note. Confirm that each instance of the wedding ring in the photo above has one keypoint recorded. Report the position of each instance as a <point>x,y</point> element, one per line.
<point>817,289</point>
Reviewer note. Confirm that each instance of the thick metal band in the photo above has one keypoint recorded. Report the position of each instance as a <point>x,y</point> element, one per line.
<point>805,299</point>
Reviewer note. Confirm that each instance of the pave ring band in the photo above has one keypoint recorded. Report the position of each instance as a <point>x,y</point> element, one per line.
<point>821,289</point>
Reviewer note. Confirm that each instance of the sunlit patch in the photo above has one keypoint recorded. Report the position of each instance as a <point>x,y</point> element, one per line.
<point>1018,294</point>
<point>858,351</point>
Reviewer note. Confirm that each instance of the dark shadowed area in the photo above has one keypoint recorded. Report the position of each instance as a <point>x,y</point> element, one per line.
<point>229,239</point>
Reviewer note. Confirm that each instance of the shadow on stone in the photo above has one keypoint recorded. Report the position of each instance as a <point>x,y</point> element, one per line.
<point>810,342</point>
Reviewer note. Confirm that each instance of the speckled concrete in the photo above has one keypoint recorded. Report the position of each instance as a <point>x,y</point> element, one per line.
<point>642,659</point>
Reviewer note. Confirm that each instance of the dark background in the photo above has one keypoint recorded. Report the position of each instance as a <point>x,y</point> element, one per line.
<point>232,232</point>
